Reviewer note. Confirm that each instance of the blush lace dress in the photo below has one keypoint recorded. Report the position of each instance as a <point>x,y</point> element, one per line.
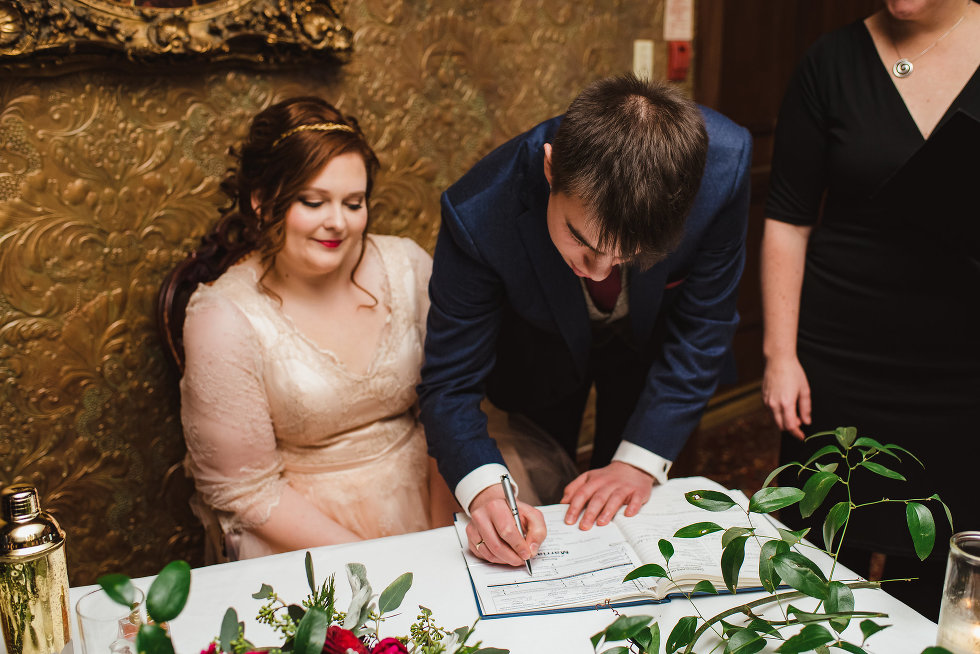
<point>264,407</point>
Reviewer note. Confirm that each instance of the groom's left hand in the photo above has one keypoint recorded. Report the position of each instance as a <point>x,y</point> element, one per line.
<point>602,491</point>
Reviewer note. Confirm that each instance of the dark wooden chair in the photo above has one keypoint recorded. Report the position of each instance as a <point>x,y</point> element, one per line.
<point>219,249</point>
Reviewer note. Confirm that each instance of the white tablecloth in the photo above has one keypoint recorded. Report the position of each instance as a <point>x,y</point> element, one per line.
<point>442,584</point>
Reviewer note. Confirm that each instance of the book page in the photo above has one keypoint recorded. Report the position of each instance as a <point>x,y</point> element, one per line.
<point>572,568</point>
<point>694,558</point>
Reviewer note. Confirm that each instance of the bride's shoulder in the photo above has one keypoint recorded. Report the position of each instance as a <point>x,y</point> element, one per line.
<point>405,248</point>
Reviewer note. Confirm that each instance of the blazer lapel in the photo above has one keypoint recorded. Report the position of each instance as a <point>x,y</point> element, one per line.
<point>559,285</point>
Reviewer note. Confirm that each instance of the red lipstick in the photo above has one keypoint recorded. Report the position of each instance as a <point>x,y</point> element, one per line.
<point>331,244</point>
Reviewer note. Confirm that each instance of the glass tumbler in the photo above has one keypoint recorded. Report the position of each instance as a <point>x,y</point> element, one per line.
<point>107,627</point>
<point>959,613</point>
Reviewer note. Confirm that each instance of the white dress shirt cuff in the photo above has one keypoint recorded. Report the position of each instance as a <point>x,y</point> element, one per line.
<point>476,481</point>
<point>644,459</point>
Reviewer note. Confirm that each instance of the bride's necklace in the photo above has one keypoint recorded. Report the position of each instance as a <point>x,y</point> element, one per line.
<point>903,67</point>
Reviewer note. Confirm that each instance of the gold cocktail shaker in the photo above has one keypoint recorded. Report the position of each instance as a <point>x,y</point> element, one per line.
<point>33,575</point>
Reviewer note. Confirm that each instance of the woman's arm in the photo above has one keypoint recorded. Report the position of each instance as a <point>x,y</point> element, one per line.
<point>296,524</point>
<point>785,389</point>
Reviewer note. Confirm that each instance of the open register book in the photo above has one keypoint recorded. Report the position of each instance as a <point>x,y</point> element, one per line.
<point>578,570</point>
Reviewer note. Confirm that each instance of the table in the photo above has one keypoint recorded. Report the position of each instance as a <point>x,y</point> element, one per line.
<point>441,583</point>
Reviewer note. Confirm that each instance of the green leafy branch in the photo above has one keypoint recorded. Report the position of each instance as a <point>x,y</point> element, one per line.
<point>781,561</point>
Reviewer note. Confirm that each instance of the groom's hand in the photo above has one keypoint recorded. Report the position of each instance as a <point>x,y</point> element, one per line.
<point>493,534</point>
<point>602,491</point>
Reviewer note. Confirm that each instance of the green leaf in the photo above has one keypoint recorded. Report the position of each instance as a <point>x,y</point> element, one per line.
<point>922,528</point>
<point>773,498</point>
<point>810,637</point>
<point>879,469</point>
<point>697,530</point>
<point>727,628</point>
<point>153,639</point>
<point>710,500</point>
<point>310,578</point>
<point>936,649</point>
<point>845,436</point>
<point>119,588</point>
<point>892,446</point>
<point>491,650</point>
<point>705,586</point>
<point>864,441</point>
<point>229,630</point>
<point>792,537</point>
<point>827,467</point>
<point>392,596</point>
<point>767,572</point>
<point>815,491</point>
<point>626,626</point>
<point>360,603</point>
<point>648,570</point>
<point>649,638</point>
<point>759,624</point>
<point>824,451</point>
<point>949,516</point>
<point>616,650</point>
<point>734,532</point>
<point>311,632</point>
<point>731,561</point>
<point>168,592</point>
<point>682,633</point>
<point>840,599</point>
<point>775,473</point>
<point>836,518</point>
<point>869,628</point>
<point>801,573</point>
<point>296,612</point>
<point>666,549</point>
<point>745,641</point>
<point>849,647</point>
<point>263,593</point>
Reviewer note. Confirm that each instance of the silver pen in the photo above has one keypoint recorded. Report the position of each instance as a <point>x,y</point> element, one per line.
<point>512,503</point>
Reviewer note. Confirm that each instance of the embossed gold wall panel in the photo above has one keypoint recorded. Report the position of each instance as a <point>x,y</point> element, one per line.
<point>108,179</point>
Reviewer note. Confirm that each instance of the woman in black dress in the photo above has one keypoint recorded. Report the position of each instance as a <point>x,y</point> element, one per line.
<point>872,303</point>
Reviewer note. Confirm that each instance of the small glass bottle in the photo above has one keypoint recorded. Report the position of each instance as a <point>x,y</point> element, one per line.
<point>33,575</point>
<point>959,613</point>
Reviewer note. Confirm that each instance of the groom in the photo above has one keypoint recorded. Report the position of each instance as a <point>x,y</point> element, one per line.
<point>589,250</point>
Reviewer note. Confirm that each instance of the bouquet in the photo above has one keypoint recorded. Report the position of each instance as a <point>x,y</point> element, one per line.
<point>313,627</point>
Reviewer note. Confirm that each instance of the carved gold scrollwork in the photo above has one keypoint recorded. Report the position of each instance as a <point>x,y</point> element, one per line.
<point>55,35</point>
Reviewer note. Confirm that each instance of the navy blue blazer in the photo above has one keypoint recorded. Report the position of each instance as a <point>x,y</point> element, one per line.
<point>502,295</point>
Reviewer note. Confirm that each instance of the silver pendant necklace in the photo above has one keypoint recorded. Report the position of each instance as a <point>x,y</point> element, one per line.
<point>903,67</point>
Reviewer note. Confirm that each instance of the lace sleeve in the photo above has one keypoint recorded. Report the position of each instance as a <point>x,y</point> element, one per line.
<point>231,443</point>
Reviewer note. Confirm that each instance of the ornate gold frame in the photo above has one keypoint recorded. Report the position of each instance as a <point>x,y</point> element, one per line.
<point>49,35</point>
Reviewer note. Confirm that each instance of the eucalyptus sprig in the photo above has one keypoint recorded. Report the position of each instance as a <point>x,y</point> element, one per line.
<point>782,561</point>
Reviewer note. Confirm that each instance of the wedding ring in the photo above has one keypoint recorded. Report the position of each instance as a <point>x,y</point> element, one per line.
<point>479,544</point>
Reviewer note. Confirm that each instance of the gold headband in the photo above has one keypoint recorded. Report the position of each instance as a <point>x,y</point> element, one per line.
<point>316,127</point>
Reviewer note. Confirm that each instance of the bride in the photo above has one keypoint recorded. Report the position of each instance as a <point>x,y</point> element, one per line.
<point>298,397</point>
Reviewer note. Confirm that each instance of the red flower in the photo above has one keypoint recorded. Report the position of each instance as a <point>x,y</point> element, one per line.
<point>339,640</point>
<point>389,646</point>
<point>210,650</point>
